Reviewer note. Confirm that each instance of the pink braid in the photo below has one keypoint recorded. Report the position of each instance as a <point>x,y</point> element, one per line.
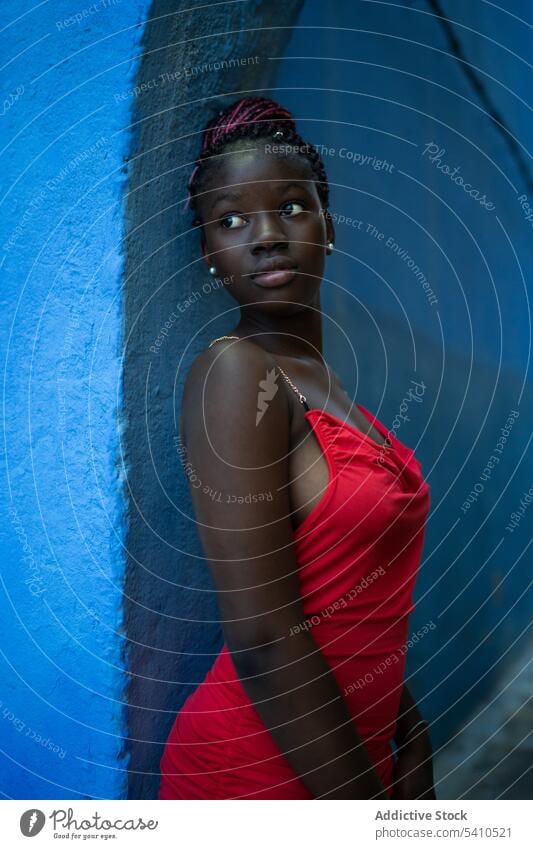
<point>247,110</point>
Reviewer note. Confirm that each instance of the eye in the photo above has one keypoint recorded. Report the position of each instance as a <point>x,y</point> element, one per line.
<point>297,207</point>
<point>230,218</point>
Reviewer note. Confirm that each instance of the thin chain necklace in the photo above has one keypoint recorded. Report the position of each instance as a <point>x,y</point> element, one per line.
<point>301,396</point>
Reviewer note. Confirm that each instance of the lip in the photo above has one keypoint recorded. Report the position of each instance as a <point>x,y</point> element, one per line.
<point>269,279</point>
<point>276,271</point>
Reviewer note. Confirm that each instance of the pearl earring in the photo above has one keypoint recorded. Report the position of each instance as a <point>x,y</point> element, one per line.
<point>331,245</point>
<point>212,270</point>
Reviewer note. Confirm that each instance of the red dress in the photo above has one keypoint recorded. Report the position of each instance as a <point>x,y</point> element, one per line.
<point>358,552</point>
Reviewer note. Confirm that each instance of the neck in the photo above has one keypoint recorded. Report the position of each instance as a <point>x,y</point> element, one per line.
<point>298,336</point>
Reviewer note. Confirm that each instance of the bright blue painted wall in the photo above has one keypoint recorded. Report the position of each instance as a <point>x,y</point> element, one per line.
<point>64,138</point>
<point>402,90</point>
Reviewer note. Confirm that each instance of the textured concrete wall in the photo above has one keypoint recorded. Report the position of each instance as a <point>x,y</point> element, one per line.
<point>171,614</point>
<point>64,137</point>
<point>490,757</point>
<point>376,85</point>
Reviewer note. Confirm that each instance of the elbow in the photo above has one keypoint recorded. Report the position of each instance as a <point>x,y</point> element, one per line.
<point>253,656</point>
<point>262,638</point>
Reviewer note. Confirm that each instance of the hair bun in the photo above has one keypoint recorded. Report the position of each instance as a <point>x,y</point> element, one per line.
<point>247,110</point>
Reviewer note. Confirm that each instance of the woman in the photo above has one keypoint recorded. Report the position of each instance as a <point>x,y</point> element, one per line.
<point>311,520</point>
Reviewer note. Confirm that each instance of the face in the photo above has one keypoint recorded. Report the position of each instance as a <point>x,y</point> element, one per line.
<point>263,227</point>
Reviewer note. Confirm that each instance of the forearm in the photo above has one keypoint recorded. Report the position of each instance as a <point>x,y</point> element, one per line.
<point>296,694</point>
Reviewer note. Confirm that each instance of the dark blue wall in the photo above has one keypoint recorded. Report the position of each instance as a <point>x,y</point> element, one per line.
<point>385,81</point>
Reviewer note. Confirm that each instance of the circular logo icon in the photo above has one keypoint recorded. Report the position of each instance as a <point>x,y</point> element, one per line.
<point>32,822</point>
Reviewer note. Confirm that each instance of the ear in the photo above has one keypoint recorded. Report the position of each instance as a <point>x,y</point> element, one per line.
<point>330,229</point>
<point>205,253</point>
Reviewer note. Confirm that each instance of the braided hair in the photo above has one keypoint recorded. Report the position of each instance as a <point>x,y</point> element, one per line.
<point>253,118</point>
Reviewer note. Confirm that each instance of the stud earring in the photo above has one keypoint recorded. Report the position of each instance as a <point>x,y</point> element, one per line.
<point>331,246</point>
<point>212,270</point>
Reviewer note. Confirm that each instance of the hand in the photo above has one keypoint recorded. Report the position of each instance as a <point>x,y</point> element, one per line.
<point>413,770</point>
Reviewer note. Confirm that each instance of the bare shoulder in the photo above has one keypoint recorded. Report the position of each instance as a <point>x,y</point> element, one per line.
<point>225,385</point>
<point>333,374</point>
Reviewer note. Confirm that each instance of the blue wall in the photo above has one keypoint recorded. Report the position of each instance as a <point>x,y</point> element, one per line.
<point>64,138</point>
<point>66,119</point>
<point>386,80</point>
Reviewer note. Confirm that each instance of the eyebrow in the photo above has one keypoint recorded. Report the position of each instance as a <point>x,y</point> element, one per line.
<point>236,196</point>
<point>225,196</point>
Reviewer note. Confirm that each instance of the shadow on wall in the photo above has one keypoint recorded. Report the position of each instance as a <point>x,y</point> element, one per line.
<point>185,76</point>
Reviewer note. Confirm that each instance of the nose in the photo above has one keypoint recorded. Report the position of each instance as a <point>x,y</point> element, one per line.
<point>267,233</point>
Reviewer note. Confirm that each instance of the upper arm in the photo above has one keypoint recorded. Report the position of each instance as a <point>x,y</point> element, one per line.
<point>240,492</point>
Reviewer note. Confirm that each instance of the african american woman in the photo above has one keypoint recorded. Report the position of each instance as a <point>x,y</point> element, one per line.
<point>315,539</point>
